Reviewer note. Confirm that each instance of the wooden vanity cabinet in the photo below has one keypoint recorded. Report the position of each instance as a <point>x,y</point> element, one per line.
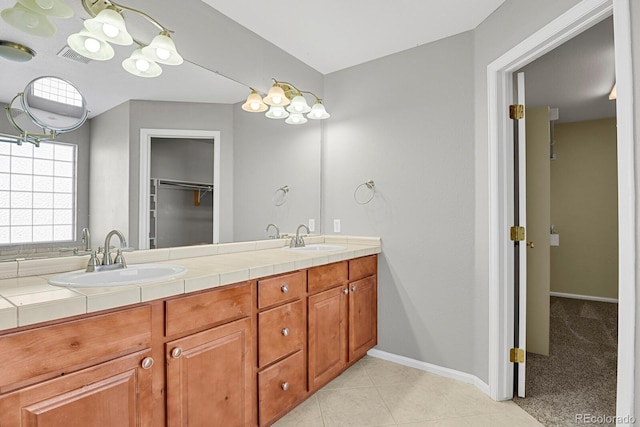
<point>209,374</point>
<point>282,337</point>
<point>114,393</point>
<point>363,306</point>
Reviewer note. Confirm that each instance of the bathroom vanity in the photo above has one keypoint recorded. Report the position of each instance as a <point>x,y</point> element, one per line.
<point>228,354</point>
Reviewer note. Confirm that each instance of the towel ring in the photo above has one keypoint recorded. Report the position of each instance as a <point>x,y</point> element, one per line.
<point>280,195</point>
<point>362,189</point>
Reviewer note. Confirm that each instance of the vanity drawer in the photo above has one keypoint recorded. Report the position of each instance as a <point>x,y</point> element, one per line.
<point>280,386</point>
<point>50,351</point>
<point>281,331</point>
<point>208,309</point>
<point>281,289</point>
<point>360,268</point>
<point>327,276</point>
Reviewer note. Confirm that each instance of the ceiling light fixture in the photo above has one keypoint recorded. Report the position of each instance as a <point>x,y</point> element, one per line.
<point>31,16</point>
<point>107,25</point>
<point>284,94</point>
<point>15,51</point>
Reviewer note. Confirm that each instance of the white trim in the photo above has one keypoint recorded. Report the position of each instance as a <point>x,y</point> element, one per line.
<point>434,369</point>
<point>145,170</point>
<point>583,297</point>
<point>582,16</point>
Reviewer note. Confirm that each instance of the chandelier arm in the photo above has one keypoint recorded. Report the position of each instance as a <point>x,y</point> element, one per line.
<point>94,7</point>
<point>144,15</point>
<point>318,99</point>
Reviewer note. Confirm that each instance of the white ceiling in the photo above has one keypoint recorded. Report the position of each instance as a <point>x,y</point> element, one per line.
<point>335,34</point>
<point>328,36</point>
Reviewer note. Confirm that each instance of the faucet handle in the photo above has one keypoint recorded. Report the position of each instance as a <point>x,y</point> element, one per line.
<point>119,259</point>
<point>93,263</point>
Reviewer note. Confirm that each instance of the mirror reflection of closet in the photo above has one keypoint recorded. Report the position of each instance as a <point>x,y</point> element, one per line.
<point>181,208</point>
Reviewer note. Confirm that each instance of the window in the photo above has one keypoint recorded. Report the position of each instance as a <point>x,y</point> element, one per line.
<point>37,193</point>
<point>57,90</point>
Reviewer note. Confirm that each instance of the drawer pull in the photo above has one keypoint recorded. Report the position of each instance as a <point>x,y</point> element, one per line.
<point>176,352</point>
<point>284,288</point>
<point>346,291</point>
<point>147,362</point>
<point>285,332</point>
<point>284,386</point>
<point>353,288</point>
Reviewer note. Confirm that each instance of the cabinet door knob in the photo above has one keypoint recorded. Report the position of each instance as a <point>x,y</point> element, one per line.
<point>285,332</point>
<point>284,288</point>
<point>176,352</point>
<point>531,245</point>
<point>346,291</point>
<point>353,288</point>
<point>284,386</point>
<point>147,362</point>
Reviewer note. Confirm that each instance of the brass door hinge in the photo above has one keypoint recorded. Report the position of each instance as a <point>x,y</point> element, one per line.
<point>517,234</point>
<point>516,112</point>
<point>516,355</point>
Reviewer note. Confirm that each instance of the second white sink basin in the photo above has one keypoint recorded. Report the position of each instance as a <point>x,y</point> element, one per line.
<point>132,275</point>
<point>317,248</point>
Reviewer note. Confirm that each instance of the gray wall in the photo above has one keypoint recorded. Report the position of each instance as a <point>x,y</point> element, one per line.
<point>270,154</point>
<point>400,121</point>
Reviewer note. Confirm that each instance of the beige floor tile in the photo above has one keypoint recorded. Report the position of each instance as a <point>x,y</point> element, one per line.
<point>307,414</point>
<point>448,422</point>
<point>353,407</point>
<point>355,376</point>
<point>383,372</point>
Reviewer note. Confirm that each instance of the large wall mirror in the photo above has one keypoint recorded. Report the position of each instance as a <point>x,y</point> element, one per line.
<point>256,157</point>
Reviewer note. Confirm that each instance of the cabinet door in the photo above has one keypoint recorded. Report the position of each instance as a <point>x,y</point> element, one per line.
<point>209,377</point>
<point>115,393</point>
<point>363,316</point>
<point>327,335</point>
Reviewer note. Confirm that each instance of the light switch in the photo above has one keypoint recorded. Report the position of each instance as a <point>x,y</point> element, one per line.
<point>312,224</point>
<point>336,225</point>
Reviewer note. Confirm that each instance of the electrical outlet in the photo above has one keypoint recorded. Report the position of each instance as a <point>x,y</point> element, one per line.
<point>312,224</point>
<point>336,225</point>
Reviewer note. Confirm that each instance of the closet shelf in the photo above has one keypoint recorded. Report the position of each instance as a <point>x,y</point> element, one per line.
<point>201,187</point>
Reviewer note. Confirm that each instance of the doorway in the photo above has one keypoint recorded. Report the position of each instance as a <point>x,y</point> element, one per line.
<point>204,189</point>
<point>580,17</point>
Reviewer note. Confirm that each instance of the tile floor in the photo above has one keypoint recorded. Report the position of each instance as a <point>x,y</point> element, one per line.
<point>375,392</point>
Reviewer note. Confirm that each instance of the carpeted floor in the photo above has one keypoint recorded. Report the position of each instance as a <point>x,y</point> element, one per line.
<point>579,375</point>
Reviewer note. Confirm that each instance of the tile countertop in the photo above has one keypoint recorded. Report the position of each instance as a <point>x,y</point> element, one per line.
<point>26,297</point>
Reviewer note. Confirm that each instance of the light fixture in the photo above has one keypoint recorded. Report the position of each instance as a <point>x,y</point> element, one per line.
<point>139,65</point>
<point>28,21</point>
<point>90,46</point>
<point>254,103</point>
<point>284,94</point>
<point>55,8</point>
<point>614,93</point>
<point>15,51</point>
<point>108,25</point>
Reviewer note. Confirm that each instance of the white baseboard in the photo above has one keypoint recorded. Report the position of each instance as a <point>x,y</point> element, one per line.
<point>434,369</point>
<point>585,297</point>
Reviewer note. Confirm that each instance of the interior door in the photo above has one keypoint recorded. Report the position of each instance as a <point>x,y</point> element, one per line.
<point>520,254</point>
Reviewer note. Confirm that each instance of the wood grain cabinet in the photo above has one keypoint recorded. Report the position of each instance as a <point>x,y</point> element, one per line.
<point>363,306</point>
<point>282,337</point>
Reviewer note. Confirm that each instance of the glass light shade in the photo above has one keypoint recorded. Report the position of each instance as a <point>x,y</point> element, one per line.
<point>254,103</point>
<point>162,50</point>
<point>139,65</point>
<point>295,119</point>
<point>109,25</point>
<point>28,21</point>
<point>318,112</point>
<point>56,8</point>
<point>298,105</point>
<point>277,112</point>
<point>90,46</point>
<point>276,97</point>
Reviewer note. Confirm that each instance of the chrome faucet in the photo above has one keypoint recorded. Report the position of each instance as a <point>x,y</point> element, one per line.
<point>106,259</point>
<point>298,241</point>
<point>277,236</point>
<point>86,239</point>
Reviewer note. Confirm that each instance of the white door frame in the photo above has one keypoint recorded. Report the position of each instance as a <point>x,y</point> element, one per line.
<point>145,175</point>
<point>500,92</point>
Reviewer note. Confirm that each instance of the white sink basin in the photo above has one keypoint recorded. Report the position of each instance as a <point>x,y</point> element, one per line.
<point>317,248</point>
<point>132,275</point>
